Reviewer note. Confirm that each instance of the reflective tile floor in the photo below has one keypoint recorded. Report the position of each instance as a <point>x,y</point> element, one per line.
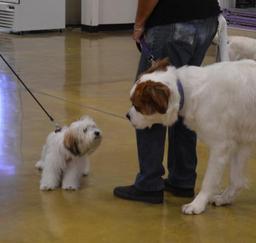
<point>73,74</point>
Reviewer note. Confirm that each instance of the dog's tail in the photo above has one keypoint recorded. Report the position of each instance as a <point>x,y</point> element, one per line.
<point>222,39</point>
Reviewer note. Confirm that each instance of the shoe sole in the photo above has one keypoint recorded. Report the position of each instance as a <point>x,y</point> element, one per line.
<point>152,200</point>
<point>178,194</point>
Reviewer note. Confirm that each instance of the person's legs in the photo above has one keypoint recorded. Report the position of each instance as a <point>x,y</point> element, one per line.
<point>150,142</point>
<point>149,184</point>
<point>182,158</point>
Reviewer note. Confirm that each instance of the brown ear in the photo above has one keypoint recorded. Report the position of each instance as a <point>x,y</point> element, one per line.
<point>160,94</point>
<point>151,97</point>
<point>71,143</point>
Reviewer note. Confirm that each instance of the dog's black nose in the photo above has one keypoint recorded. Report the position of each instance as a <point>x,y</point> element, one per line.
<point>128,116</point>
<point>97,133</point>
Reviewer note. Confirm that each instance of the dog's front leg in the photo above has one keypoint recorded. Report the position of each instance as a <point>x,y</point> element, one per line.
<point>217,160</point>
<point>86,169</point>
<point>72,176</point>
<point>51,174</point>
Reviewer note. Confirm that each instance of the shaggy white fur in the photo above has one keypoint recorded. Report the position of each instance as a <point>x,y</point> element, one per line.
<point>220,101</point>
<point>241,47</point>
<point>64,157</point>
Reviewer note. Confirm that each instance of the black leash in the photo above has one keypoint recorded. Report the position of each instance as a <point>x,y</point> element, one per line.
<point>57,127</point>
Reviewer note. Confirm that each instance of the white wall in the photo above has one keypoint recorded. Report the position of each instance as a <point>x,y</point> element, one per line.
<point>97,12</point>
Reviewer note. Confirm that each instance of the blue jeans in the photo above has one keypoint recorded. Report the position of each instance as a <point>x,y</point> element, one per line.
<point>185,44</point>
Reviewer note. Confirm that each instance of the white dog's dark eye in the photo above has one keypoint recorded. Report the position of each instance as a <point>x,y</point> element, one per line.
<point>85,130</point>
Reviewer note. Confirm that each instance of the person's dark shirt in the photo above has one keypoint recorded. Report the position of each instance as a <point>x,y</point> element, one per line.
<point>173,11</point>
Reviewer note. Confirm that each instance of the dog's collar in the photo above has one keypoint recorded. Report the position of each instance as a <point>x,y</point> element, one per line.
<point>58,129</point>
<point>181,92</point>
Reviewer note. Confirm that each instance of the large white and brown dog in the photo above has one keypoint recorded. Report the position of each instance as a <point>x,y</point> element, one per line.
<point>218,102</point>
<point>64,157</point>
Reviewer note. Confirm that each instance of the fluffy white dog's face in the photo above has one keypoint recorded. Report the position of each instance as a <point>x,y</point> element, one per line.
<point>82,137</point>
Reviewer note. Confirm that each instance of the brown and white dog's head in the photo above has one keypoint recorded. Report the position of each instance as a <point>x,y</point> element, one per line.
<point>155,97</point>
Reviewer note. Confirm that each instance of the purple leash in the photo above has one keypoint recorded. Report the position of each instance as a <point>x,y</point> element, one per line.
<point>143,47</point>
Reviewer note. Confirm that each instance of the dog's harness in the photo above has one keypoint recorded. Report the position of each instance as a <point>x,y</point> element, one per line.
<point>57,126</point>
<point>143,48</point>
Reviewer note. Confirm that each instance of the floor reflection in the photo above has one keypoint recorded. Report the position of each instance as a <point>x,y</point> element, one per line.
<point>9,124</point>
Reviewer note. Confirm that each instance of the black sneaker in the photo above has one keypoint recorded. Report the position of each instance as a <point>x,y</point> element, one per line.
<point>132,193</point>
<point>178,192</point>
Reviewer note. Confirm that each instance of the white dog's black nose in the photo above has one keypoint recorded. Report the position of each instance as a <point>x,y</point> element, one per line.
<point>97,133</point>
<point>128,116</point>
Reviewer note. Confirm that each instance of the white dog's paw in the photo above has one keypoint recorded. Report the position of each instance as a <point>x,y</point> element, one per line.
<point>86,173</point>
<point>47,187</point>
<point>39,165</point>
<point>70,187</point>
<point>221,200</point>
<point>193,208</point>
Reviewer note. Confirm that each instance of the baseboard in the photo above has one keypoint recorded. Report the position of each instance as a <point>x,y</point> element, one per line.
<point>107,27</point>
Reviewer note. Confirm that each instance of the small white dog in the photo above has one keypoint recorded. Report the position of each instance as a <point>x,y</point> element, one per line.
<point>241,47</point>
<point>218,102</point>
<point>237,48</point>
<point>64,157</point>
<point>233,48</point>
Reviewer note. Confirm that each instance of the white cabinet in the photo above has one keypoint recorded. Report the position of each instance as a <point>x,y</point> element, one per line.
<point>28,15</point>
<point>108,12</point>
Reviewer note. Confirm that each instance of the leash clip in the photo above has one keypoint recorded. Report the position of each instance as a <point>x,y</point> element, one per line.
<point>152,59</point>
<point>58,128</point>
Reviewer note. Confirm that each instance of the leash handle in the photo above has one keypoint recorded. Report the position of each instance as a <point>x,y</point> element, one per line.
<point>17,76</point>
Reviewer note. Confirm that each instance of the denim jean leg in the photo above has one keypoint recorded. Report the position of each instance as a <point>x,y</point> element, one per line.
<point>150,146</point>
<point>182,158</point>
<point>150,143</point>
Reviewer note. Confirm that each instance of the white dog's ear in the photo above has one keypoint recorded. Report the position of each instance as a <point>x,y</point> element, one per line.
<point>71,143</point>
<point>84,117</point>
